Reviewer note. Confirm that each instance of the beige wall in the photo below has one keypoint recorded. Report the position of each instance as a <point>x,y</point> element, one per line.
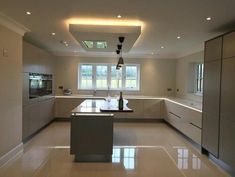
<point>10,90</point>
<point>156,74</point>
<point>184,73</point>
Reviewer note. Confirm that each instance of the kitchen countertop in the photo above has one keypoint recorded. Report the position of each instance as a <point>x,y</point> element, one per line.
<point>96,106</point>
<point>197,106</point>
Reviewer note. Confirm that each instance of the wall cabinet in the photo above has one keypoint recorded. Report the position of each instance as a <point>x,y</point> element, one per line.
<point>213,49</point>
<point>186,120</point>
<point>229,45</point>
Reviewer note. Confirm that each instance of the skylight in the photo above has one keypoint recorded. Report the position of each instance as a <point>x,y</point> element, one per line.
<point>95,44</point>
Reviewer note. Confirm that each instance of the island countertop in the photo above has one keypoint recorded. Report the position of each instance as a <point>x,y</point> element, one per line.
<point>100,106</point>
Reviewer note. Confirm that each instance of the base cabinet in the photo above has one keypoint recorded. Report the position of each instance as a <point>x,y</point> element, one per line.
<point>64,106</point>
<point>37,115</point>
<point>143,108</point>
<point>186,120</point>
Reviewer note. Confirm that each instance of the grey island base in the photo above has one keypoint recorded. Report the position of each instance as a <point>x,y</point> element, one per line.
<point>92,130</point>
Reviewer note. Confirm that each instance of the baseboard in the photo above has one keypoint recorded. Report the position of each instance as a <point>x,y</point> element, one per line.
<point>222,165</point>
<point>11,154</point>
<point>62,119</point>
<point>26,139</point>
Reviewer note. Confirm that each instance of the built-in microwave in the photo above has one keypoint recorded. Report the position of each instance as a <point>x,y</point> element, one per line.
<point>39,85</point>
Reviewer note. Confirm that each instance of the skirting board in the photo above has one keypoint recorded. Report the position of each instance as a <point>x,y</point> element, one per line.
<point>11,154</point>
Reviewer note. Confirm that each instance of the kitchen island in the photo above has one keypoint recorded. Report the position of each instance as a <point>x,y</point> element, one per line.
<point>92,129</point>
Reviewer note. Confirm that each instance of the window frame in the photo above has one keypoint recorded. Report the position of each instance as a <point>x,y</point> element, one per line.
<point>109,65</point>
<point>199,78</point>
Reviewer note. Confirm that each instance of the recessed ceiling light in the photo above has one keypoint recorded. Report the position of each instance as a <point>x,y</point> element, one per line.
<point>208,18</point>
<point>162,47</point>
<point>66,44</point>
<point>119,16</point>
<point>28,13</point>
<point>53,34</point>
<point>178,37</point>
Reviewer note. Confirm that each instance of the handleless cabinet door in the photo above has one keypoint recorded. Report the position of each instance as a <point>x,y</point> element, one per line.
<point>229,45</point>
<point>211,107</point>
<point>213,49</point>
<point>227,118</point>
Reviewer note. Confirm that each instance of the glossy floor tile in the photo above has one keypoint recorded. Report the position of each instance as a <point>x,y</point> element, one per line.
<point>140,150</point>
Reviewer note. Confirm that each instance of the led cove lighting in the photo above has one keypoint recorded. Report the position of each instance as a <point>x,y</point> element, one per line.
<point>115,22</point>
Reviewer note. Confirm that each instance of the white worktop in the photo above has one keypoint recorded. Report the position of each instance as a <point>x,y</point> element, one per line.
<point>197,106</point>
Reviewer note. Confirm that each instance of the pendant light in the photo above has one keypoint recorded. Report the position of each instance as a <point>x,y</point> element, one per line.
<point>119,51</point>
<point>118,66</point>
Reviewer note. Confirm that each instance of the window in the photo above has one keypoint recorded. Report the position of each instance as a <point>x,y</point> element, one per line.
<point>101,77</point>
<point>104,76</point>
<point>199,72</point>
<point>116,78</point>
<point>131,77</point>
<point>86,76</point>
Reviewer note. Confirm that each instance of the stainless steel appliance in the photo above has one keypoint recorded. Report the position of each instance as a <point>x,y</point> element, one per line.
<point>39,85</point>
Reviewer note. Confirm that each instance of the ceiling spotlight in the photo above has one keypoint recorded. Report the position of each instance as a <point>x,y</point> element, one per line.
<point>119,46</point>
<point>119,16</point>
<point>28,13</point>
<point>121,39</point>
<point>208,18</point>
<point>53,34</point>
<point>162,47</point>
<point>178,37</point>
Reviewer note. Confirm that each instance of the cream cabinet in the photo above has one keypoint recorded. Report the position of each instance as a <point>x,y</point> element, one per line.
<point>229,45</point>
<point>186,120</point>
<point>64,106</point>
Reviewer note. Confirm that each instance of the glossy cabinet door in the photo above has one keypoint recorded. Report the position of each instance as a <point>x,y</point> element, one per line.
<point>152,108</point>
<point>213,49</point>
<point>211,106</point>
<point>64,106</point>
<point>227,119</point>
<point>229,45</point>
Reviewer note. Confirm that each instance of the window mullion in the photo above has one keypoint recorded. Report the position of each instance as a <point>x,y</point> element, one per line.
<point>94,77</point>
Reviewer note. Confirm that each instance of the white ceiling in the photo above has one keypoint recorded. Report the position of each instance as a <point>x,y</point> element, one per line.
<point>163,21</point>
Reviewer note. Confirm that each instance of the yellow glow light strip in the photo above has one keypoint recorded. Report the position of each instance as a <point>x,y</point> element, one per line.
<point>116,22</point>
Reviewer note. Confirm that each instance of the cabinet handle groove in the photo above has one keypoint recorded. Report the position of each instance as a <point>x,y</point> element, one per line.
<point>175,115</point>
<point>195,125</point>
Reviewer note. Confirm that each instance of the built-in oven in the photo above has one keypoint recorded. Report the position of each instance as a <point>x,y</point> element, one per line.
<point>39,85</point>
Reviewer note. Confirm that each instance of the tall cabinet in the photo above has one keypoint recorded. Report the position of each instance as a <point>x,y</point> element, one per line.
<point>218,129</point>
<point>211,99</point>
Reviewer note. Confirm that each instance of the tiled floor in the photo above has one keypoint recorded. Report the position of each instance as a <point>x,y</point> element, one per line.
<point>141,150</point>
